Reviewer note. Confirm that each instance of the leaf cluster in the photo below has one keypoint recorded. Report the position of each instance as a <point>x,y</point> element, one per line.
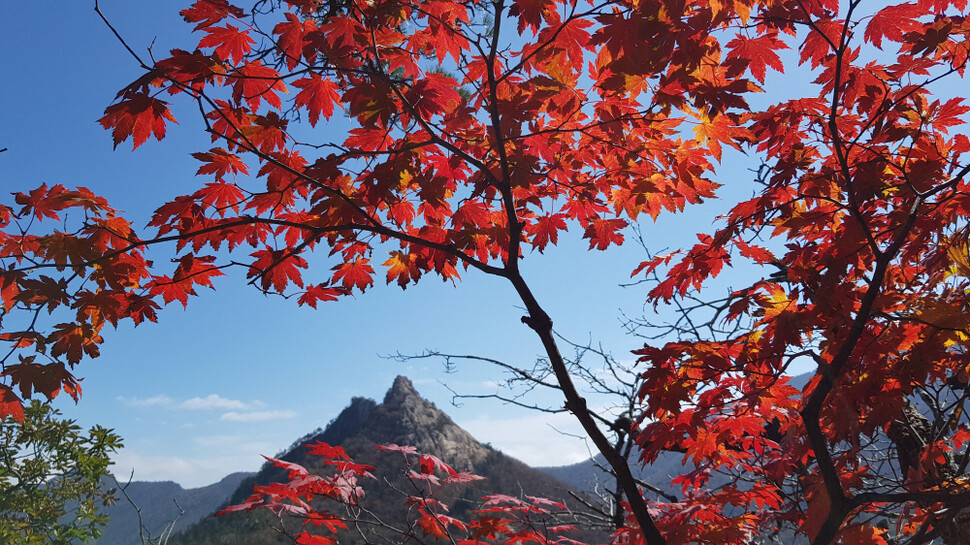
<point>330,504</point>
<point>51,474</point>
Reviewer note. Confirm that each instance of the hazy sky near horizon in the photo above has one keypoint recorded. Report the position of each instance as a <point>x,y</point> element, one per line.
<point>237,374</point>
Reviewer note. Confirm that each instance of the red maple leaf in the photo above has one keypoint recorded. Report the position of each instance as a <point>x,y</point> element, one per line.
<point>220,162</point>
<point>47,379</point>
<point>10,405</point>
<point>434,94</point>
<point>429,463</point>
<point>43,202</point>
<point>210,12</point>
<point>254,82</point>
<point>306,538</point>
<point>292,39</point>
<point>220,196</point>
<point>714,132</point>
<point>319,292</point>
<point>818,44</point>
<point>74,340</point>
<point>546,229</point>
<point>325,450</point>
<point>170,290</point>
<point>604,232</point>
<point>758,53</point>
<point>317,95</point>
<point>892,22</point>
<point>432,526</point>
<point>276,269</point>
<point>229,42</point>
<point>9,288</point>
<point>532,13</point>
<point>141,309</point>
<point>266,132</point>
<point>138,116</point>
<point>357,273</point>
<point>402,267</point>
<point>754,252</point>
<point>295,470</point>
<point>343,34</point>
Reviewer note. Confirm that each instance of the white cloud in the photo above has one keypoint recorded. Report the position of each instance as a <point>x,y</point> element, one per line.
<point>154,401</point>
<point>189,471</point>
<point>257,416</point>
<point>212,401</point>
<point>209,402</point>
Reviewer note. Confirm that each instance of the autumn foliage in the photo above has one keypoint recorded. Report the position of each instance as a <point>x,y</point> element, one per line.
<point>335,503</point>
<point>404,138</point>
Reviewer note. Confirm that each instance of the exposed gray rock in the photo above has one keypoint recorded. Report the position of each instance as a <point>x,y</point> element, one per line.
<point>406,418</point>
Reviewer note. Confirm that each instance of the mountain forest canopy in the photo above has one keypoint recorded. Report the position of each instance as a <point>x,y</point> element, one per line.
<point>405,138</point>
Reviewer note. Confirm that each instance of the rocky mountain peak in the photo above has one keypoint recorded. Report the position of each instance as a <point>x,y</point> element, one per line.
<point>406,418</point>
<point>400,391</point>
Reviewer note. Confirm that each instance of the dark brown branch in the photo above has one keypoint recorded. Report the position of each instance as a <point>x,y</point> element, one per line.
<point>539,322</point>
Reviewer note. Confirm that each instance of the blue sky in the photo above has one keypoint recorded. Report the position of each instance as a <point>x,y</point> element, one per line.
<point>207,390</point>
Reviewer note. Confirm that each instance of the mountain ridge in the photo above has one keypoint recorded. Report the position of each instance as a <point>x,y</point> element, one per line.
<point>403,418</point>
<point>162,503</point>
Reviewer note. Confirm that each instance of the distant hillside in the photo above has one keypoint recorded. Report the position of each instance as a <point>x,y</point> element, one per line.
<point>157,502</point>
<point>404,418</point>
<point>591,477</point>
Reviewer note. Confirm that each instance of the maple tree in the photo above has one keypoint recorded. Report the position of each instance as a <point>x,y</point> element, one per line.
<point>466,136</point>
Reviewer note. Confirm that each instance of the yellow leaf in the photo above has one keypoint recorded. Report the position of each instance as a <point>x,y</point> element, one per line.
<point>961,261</point>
